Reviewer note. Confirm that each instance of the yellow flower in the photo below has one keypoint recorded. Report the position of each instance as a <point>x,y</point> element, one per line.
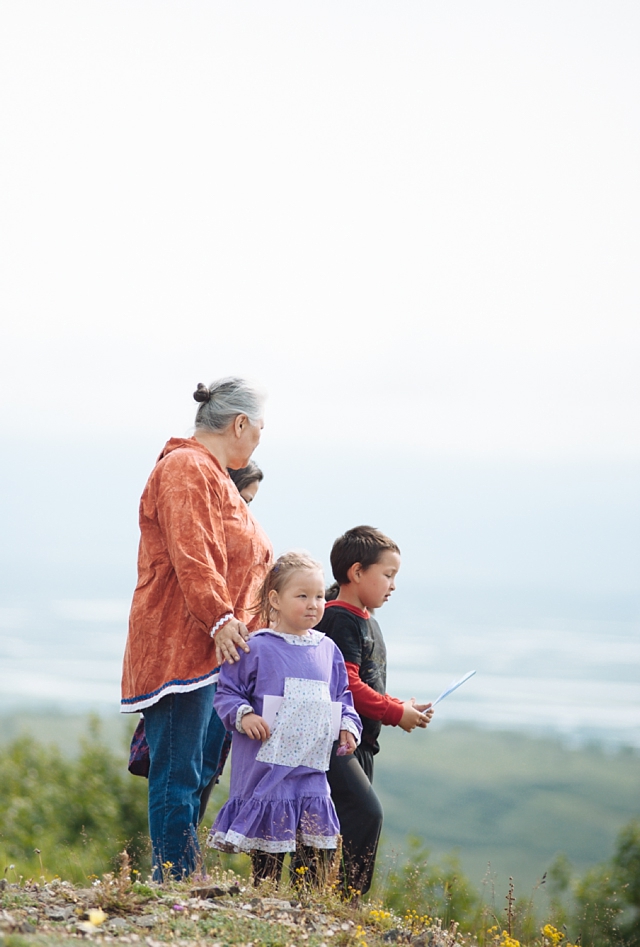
<point>552,934</point>
<point>379,915</point>
<point>97,917</point>
<point>416,921</point>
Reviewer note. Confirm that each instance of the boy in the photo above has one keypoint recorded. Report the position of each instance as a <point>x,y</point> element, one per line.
<point>365,563</point>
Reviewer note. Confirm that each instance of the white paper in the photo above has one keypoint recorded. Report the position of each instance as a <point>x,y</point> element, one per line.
<point>452,687</point>
<point>271,706</point>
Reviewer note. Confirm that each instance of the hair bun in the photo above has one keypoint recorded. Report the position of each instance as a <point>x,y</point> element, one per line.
<point>202,393</point>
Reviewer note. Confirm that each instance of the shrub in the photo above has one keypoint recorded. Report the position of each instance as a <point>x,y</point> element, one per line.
<point>67,816</point>
<point>627,863</point>
<point>607,897</point>
<point>424,887</point>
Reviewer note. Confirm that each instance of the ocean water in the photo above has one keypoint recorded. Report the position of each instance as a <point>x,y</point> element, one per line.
<point>62,653</point>
<point>579,678</point>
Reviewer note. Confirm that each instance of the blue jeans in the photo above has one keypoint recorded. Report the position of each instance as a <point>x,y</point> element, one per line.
<point>185,737</point>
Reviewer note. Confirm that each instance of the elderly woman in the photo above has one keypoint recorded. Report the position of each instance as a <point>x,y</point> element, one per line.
<point>201,560</point>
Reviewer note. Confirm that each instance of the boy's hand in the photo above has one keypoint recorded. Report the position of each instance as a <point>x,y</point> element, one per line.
<point>347,743</point>
<point>255,727</point>
<point>413,715</point>
<point>426,710</point>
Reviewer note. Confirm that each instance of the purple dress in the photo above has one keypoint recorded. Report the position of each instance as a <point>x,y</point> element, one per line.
<point>279,790</point>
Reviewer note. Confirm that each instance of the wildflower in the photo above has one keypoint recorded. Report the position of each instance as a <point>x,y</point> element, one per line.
<point>416,922</point>
<point>302,870</point>
<point>552,934</point>
<point>97,917</point>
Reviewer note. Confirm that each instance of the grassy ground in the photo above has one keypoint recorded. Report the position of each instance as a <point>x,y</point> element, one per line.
<point>224,910</point>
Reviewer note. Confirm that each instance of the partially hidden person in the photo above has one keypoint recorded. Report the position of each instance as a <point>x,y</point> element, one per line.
<point>279,797</point>
<point>247,481</point>
<point>365,564</point>
<point>202,559</point>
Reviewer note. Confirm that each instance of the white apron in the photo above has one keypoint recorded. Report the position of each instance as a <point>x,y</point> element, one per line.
<point>302,733</point>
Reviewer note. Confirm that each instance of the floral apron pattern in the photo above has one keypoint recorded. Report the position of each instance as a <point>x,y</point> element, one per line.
<point>302,731</point>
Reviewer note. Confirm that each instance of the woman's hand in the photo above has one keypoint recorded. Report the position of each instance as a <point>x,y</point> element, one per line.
<point>228,639</point>
<point>255,727</point>
<point>347,743</point>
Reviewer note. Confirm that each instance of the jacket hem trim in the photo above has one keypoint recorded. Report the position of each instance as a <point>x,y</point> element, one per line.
<point>130,705</point>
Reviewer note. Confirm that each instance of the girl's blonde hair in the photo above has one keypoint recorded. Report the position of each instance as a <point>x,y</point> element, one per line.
<point>278,577</point>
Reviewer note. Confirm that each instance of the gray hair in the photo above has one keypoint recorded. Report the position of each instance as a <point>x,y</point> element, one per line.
<point>224,400</point>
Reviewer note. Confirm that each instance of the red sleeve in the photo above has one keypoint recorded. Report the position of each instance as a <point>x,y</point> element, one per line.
<point>369,703</point>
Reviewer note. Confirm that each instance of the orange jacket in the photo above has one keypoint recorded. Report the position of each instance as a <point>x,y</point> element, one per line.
<point>202,557</point>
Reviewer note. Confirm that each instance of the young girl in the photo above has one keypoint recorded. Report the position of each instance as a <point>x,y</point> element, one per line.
<point>279,799</point>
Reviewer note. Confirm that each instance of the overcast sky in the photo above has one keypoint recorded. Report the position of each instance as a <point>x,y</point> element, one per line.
<point>415,223</point>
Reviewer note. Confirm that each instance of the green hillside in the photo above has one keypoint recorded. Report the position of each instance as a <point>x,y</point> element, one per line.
<point>504,799</point>
<point>66,730</point>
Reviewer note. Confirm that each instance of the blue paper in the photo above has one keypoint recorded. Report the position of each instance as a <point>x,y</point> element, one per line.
<point>452,687</point>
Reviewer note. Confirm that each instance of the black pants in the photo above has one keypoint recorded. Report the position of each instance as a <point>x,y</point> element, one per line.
<point>360,814</point>
<point>266,865</point>
<point>308,865</point>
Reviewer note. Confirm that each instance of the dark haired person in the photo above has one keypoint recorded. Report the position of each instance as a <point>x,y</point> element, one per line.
<point>247,481</point>
<point>201,560</point>
<point>365,563</point>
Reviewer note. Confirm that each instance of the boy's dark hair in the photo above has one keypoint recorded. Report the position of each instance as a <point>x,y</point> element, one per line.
<point>362,544</point>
